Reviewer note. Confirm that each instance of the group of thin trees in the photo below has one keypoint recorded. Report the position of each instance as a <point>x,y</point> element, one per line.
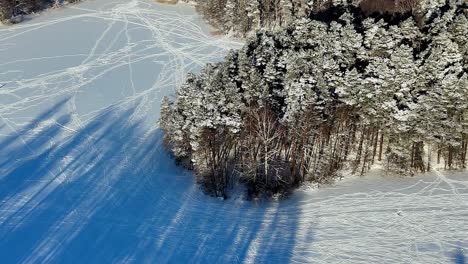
<point>338,91</point>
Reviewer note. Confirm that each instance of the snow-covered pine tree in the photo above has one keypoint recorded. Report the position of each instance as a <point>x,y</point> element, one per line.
<point>336,90</point>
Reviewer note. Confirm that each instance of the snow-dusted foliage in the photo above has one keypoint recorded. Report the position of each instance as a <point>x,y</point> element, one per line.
<point>241,17</point>
<point>11,9</point>
<point>337,90</point>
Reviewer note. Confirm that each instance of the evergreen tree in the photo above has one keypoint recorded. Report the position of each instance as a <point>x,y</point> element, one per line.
<point>337,90</point>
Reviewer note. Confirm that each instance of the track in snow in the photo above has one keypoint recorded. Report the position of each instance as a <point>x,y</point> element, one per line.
<point>84,178</point>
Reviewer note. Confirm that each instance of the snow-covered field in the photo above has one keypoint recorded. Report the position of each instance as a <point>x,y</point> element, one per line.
<point>84,178</point>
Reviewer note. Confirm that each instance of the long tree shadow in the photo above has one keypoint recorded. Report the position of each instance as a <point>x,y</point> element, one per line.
<point>459,257</point>
<point>109,192</point>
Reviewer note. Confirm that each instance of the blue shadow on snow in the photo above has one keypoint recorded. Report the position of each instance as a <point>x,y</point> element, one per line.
<point>109,192</point>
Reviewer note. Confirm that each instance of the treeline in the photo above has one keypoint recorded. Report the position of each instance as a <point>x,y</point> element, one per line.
<point>12,10</point>
<point>241,17</point>
<point>339,90</point>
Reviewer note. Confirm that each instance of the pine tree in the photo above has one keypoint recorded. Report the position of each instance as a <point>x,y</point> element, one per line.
<point>287,11</point>
<point>253,13</point>
<point>336,90</point>
<point>230,17</point>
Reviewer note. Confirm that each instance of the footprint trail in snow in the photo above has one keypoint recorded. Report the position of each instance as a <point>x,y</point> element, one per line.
<point>84,176</point>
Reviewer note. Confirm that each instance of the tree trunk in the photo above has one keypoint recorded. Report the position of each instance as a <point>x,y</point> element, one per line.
<point>359,152</point>
<point>375,143</point>
<point>381,145</point>
<point>429,158</point>
<point>266,164</point>
<point>450,157</point>
<point>412,155</point>
<point>369,141</point>
<point>439,152</point>
<point>464,153</point>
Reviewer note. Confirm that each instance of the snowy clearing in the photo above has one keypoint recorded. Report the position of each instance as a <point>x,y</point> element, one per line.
<point>84,178</point>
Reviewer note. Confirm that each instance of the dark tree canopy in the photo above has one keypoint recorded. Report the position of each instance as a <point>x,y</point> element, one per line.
<point>242,17</point>
<point>9,9</point>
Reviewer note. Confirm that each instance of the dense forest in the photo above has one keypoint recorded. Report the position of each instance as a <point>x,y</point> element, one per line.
<point>12,10</point>
<point>241,17</point>
<point>336,90</point>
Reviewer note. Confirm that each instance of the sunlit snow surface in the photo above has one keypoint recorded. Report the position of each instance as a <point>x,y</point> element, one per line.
<point>84,179</point>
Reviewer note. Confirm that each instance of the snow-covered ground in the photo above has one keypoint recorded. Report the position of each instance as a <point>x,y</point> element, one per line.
<point>84,178</point>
